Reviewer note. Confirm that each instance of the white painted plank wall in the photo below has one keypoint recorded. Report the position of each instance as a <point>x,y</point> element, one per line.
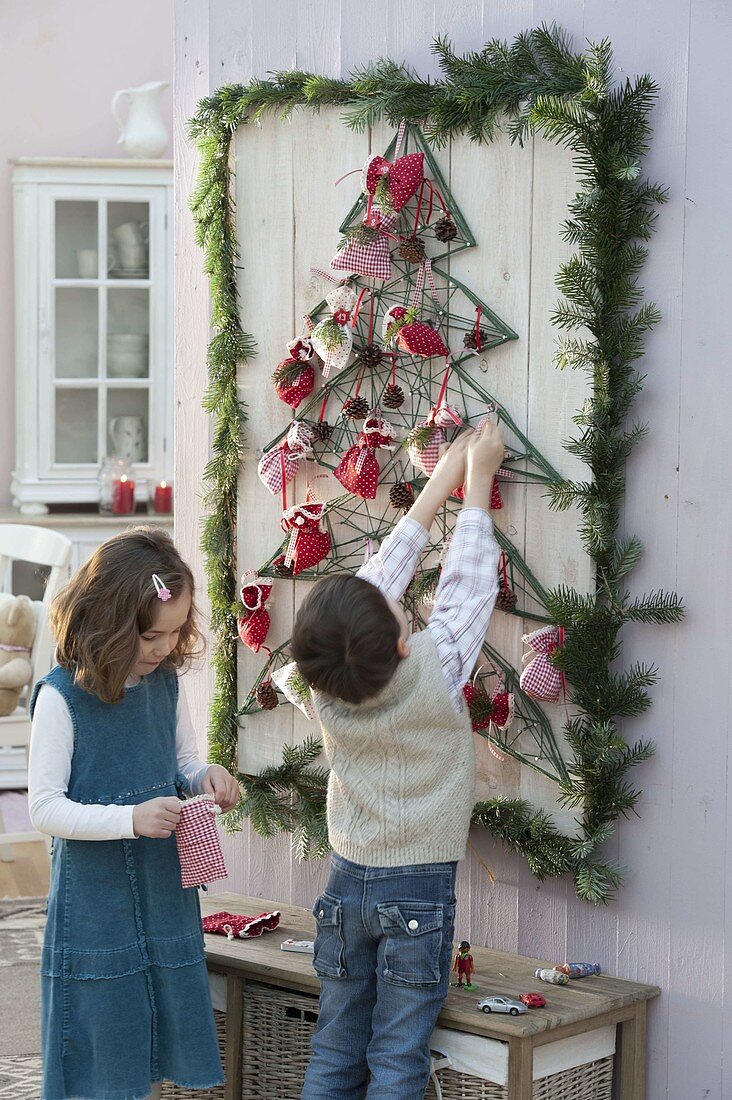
<point>670,923</point>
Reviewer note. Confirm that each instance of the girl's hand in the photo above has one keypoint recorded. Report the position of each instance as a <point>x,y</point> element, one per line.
<point>222,786</point>
<point>157,818</point>
<point>449,473</point>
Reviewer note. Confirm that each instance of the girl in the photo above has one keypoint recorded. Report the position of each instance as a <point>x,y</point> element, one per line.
<point>125,1000</point>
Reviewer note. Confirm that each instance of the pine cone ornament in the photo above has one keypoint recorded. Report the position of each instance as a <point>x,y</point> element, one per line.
<point>356,408</point>
<point>393,396</point>
<point>401,495</point>
<point>506,599</point>
<point>445,229</point>
<point>412,250</point>
<point>266,695</point>
<point>470,340</point>
<point>370,355</point>
<point>322,430</point>
<point>280,569</point>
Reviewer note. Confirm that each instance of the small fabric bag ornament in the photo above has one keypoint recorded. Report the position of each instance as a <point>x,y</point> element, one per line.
<point>540,678</point>
<point>236,925</point>
<point>291,683</point>
<point>278,466</point>
<point>308,543</point>
<point>294,378</point>
<point>366,251</point>
<point>253,625</point>
<point>424,441</point>
<point>358,470</point>
<point>332,338</point>
<point>199,847</point>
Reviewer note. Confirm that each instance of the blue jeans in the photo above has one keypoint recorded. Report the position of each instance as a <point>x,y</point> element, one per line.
<point>383,952</point>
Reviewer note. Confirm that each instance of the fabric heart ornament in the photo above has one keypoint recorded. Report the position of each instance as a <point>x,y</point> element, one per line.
<point>358,470</point>
<point>366,251</point>
<point>540,678</point>
<point>254,623</point>
<point>502,706</point>
<point>279,466</point>
<point>294,381</point>
<point>308,543</point>
<point>480,707</point>
<point>332,338</point>
<point>391,186</point>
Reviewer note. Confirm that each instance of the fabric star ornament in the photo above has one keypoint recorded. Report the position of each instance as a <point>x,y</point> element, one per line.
<point>279,466</point>
<point>308,543</point>
<point>253,625</point>
<point>540,678</point>
<point>358,470</point>
<point>366,252</point>
<point>332,338</point>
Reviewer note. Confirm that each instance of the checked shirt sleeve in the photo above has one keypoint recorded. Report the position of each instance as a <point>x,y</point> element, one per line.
<point>392,568</point>
<point>465,597</point>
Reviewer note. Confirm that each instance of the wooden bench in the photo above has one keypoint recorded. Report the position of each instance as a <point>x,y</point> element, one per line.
<point>581,1006</point>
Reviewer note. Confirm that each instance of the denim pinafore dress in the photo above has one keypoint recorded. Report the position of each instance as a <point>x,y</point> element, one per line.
<point>125,998</point>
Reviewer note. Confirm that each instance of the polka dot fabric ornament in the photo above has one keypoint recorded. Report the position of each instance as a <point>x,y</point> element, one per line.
<point>332,338</point>
<point>293,382</point>
<point>479,706</point>
<point>392,185</point>
<point>254,624</point>
<point>308,543</point>
<point>358,470</point>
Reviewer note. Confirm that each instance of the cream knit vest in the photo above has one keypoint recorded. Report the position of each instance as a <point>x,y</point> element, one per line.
<point>402,779</point>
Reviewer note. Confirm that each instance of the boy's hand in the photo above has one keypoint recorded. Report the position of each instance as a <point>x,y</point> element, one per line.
<point>222,786</point>
<point>486,452</point>
<point>157,817</point>
<point>449,473</point>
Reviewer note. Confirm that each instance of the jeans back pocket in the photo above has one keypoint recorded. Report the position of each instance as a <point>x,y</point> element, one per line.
<point>329,946</point>
<point>413,942</point>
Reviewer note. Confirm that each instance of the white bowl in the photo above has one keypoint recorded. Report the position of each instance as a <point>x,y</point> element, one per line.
<point>127,364</point>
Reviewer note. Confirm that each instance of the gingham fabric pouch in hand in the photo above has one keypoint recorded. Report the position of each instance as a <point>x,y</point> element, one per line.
<point>199,847</point>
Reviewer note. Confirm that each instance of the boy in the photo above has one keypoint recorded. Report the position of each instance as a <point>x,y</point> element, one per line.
<point>399,743</point>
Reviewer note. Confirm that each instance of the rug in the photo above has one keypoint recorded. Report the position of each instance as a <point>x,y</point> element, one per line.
<point>21,938</point>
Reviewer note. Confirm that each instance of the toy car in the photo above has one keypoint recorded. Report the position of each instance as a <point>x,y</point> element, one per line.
<point>501,1004</point>
<point>532,1000</point>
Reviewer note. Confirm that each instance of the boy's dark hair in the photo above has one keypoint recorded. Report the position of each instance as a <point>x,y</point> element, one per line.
<point>344,639</point>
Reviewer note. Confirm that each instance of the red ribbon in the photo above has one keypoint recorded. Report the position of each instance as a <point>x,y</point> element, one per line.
<point>478,313</point>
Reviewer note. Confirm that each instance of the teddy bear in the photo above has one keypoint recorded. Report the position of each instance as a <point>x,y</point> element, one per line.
<point>17,630</point>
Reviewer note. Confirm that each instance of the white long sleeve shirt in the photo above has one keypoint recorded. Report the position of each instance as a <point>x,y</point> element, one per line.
<point>49,772</point>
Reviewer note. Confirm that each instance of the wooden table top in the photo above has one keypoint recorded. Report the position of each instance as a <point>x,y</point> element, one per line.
<point>496,973</point>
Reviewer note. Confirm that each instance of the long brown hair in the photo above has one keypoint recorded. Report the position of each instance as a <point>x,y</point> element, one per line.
<point>98,617</point>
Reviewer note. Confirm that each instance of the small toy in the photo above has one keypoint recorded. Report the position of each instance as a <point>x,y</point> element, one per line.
<point>17,631</point>
<point>554,977</point>
<point>532,1000</point>
<point>307,947</point>
<point>502,1004</point>
<point>578,970</point>
<point>464,965</point>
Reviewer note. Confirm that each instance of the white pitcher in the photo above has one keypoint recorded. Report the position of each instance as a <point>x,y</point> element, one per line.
<point>128,436</point>
<point>143,134</point>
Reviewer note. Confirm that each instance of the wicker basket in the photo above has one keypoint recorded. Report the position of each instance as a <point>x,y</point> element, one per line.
<point>177,1092</point>
<point>592,1081</point>
<point>278,1024</point>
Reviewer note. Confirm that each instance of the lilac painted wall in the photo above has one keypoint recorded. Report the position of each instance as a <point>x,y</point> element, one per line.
<point>62,63</point>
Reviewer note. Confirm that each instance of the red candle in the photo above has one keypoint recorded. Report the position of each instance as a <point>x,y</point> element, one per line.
<point>163,498</point>
<point>123,496</point>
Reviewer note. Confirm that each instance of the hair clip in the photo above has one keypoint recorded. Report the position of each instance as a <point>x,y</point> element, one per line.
<point>163,593</point>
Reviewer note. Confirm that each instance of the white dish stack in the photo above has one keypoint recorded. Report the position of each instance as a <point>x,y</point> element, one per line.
<point>127,355</point>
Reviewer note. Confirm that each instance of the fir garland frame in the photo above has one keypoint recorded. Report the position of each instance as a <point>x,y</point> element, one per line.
<point>538,84</point>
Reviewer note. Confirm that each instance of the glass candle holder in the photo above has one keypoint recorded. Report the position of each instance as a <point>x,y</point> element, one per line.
<point>116,487</point>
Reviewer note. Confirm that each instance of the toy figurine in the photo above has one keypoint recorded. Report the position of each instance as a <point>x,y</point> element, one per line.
<point>464,965</point>
<point>578,970</point>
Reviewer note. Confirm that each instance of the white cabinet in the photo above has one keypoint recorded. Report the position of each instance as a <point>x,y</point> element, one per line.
<point>93,286</point>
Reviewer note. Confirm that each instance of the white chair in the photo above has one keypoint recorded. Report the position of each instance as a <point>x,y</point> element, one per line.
<point>39,546</point>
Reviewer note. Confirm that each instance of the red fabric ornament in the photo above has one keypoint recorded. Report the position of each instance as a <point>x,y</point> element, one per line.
<point>540,678</point>
<point>496,498</point>
<point>425,456</point>
<point>294,388</point>
<point>479,706</point>
<point>254,625</point>
<point>502,709</point>
<point>358,470</point>
<point>239,926</point>
<point>278,466</point>
<point>309,543</point>
<point>420,339</point>
<point>403,177</point>
<point>372,258</point>
<point>199,847</point>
